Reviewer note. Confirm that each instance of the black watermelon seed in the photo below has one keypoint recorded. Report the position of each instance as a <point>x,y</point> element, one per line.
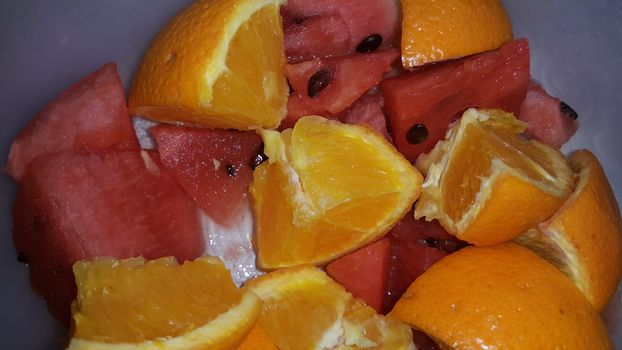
<point>369,44</point>
<point>319,81</point>
<point>445,245</point>
<point>258,159</point>
<point>231,170</point>
<point>567,110</point>
<point>417,134</point>
<point>22,258</point>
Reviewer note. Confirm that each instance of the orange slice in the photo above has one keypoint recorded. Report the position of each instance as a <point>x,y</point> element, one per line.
<point>304,309</point>
<point>218,63</point>
<point>441,30</point>
<point>329,188</point>
<point>584,237</point>
<point>134,304</point>
<point>485,184</point>
<point>500,297</point>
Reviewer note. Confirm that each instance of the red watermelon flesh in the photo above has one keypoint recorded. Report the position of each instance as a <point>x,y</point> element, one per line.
<point>308,39</point>
<point>436,95</point>
<point>364,272</point>
<point>548,119</point>
<point>213,166</point>
<point>416,245</point>
<point>91,115</point>
<point>343,83</point>
<point>319,29</point>
<point>74,206</point>
<point>368,110</point>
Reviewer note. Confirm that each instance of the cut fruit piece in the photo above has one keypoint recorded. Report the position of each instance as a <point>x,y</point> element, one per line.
<point>74,207</point>
<point>420,105</point>
<point>364,272</point>
<point>584,238</point>
<point>501,297</point>
<point>548,119</point>
<point>218,63</point>
<point>327,87</point>
<point>485,184</point>
<point>304,309</point>
<point>319,29</point>
<point>328,189</point>
<point>440,30</point>
<point>215,167</point>
<point>90,116</point>
<point>135,304</point>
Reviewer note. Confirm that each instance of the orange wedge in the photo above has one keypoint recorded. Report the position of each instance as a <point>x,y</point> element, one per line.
<point>486,184</point>
<point>440,30</point>
<point>584,237</point>
<point>218,63</point>
<point>500,297</point>
<point>134,304</point>
<point>328,189</point>
<point>304,309</point>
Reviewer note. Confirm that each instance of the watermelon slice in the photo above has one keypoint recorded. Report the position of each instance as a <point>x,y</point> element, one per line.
<point>213,166</point>
<point>416,245</point>
<point>421,104</point>
<point>74,206</point>
<point>319,29</point>
<point>327,87</point>
<point>91,115</point>
<point>364,272</point>
<point>548,119</point>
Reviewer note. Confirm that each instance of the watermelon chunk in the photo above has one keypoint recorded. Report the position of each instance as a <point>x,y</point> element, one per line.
<point>213,166</point>
<point>364,272</point>
<point>416,245</point>
<point>368,110</point>
<point>327,87</point>
<point>74,206</point>
<point>421,104</point>
<point>548,119</point>
<point>91,115</point>
<point>319,29</point>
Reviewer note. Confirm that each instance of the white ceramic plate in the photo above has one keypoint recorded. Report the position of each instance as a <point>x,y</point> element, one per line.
<point>47,45</point>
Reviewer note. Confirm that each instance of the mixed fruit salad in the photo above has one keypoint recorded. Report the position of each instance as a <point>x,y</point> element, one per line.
<point>318,175</point>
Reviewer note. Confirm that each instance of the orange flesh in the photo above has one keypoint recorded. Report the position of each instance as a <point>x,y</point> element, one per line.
<point>347,155</point>
<point>264,93</point>
<point>303,308</point>
<point>474,157</point>
<point>339,227</point>
<point>158,300</point>
<point>316,302</point>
